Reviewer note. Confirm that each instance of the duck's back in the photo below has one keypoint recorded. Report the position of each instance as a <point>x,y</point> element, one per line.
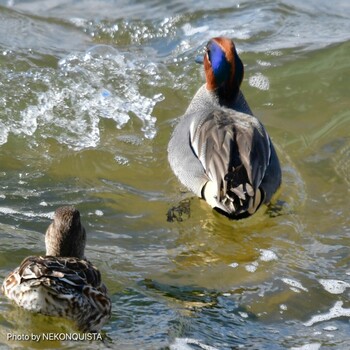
<point>226,142</point>
<point>180,154</point>
<point>223,155</point>
<point>58,286</point>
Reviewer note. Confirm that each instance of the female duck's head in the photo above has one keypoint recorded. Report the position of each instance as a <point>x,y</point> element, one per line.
<point>66,236</point>
<point>223,68</point>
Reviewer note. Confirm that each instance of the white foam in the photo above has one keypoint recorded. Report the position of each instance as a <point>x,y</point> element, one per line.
<point>3,133</point>
<point>189,30</point>
<point>336,311</point>
<point>185,344</point>
<point>267,255</point>
<point>334,286</point>
<point>283,307</point>
<point>243,314</point>
<point>233,265</point>
<point>259,81</point>
<point>121,160</point>
<point>330,328</point>
<point>310,346</point>
<point>252,267</point>
<point>263,63</point>
<point>296,286</point>
<point>5,210</point>
<point>79,22</point>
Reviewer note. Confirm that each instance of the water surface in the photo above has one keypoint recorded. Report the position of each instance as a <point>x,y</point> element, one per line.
<point>90,92</point>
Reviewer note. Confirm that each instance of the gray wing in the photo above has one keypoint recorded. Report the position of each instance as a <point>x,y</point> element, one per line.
<point>234,150</point>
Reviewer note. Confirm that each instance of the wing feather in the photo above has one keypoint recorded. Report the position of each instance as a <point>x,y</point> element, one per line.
<point>234,150</point>
<point>73,271</point>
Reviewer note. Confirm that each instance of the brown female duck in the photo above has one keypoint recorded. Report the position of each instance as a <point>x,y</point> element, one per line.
<point>62,283</point>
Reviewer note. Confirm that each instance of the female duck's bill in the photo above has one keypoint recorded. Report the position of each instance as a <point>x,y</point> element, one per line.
<point>219,150</point>
<point>62,283</point>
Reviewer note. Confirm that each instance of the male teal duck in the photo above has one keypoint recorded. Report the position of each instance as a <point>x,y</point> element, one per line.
<point>62,283</point>
<point>219,150</point>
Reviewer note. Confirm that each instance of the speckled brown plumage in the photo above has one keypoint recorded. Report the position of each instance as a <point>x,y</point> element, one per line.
<point>64,284</point>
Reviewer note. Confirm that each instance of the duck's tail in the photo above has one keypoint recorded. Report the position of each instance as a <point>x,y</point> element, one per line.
<point>235,197</point>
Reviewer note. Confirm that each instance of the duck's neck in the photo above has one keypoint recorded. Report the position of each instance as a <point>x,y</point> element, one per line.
<point>238,103</point>
<point>227,95</point>
<point>205,100</point>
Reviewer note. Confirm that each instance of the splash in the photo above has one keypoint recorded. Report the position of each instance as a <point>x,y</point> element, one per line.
<point>4,132</point>
<point>87,87</point>
<point>124,31</point>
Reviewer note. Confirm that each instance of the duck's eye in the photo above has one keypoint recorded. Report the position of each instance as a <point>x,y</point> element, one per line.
<point>207,50</point>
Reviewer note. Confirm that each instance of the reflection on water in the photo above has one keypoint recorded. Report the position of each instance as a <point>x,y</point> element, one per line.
<point>89,97</point>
